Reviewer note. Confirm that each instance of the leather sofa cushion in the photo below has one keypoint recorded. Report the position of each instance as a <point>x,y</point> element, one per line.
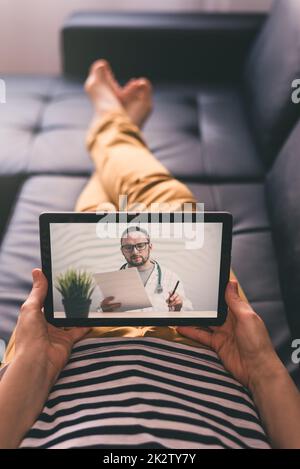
<point>283,194</point>
<point>246,202</point>
<point>44,125</point>
<point>272,66</point>
<point>205,126</point>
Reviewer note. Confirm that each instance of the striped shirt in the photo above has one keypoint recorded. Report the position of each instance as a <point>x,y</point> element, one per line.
<point>146,392</point>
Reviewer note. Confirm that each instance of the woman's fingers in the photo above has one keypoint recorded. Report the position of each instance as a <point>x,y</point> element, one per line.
<point>200,335</point>
<point>77,333</point>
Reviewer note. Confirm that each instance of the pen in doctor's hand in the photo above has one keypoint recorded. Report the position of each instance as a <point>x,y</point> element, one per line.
<point>175,288</point>
<point>171,295</point>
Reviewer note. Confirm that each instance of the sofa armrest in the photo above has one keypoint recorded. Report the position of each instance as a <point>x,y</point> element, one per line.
<point>162,46</point>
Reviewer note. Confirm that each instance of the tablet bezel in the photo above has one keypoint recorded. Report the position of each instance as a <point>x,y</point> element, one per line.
<point>47,218</point>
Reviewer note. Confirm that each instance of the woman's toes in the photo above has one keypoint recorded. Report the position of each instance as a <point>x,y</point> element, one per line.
<point>104,71</point>
<point>144,87</point>
<point>95,77</point>
<point>98,64</point>
<point>137,99</point>
<point>136,89</point>
<point>145,83</point>
<point>129,88</point>
<point>89,83</point>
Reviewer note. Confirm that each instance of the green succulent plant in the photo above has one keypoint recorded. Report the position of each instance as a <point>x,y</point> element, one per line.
<point>75,285</point>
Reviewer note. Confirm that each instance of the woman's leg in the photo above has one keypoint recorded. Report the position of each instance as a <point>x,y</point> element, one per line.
<point>93,197</point>
<point>117,148</point>
<point>126,167</point>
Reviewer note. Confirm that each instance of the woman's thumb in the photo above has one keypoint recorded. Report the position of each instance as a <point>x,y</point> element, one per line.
<point>234,302</point>
<point>39,288</point>
<point>232,294</point>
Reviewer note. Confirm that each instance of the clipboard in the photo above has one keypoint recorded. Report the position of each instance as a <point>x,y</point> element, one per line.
<point>126,287</point>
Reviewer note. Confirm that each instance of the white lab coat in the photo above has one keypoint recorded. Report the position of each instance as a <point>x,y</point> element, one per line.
<point>168,282</point>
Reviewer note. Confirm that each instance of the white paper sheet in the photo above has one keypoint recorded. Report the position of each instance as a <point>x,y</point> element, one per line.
<point>126,287</point>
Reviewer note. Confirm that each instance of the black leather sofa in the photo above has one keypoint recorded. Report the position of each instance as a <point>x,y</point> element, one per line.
<point>224,123</point>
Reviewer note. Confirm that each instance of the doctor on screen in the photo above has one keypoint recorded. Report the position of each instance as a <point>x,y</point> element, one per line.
<point>159,281</point>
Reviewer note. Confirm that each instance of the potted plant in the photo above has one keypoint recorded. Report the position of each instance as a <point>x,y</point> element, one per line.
<point>76,289</point>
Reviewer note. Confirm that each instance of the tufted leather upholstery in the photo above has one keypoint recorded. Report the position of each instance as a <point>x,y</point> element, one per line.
<point>283,192</point>
<point>271,68</point>
<point>200,130</point>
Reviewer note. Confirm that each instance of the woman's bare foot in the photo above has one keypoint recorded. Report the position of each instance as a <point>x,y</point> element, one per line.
<point>101,89</point>
<point>136,97</point>
<point>106,93</point>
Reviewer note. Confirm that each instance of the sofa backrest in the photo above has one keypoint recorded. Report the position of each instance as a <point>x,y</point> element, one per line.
<point>283,196</point>
<point>164,46</point>
<point>273,64</point>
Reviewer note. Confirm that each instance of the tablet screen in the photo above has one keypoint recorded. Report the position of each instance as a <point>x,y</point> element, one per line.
<point>135,270</point>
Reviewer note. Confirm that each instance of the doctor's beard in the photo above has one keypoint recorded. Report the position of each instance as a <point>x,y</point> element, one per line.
<point>136,260</point>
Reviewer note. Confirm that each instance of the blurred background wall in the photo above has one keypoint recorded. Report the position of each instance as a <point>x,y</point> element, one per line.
<point>29,29</point>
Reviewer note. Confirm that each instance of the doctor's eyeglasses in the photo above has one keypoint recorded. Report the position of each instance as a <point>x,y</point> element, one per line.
<point>130,247</point>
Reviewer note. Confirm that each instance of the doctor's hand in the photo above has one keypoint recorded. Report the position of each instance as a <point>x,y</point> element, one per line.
<point>174,302</point>
<point>108,306</point>
<point>242,342</point>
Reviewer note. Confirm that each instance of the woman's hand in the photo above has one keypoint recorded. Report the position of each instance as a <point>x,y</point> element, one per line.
<point>41,352</point>
<point>242,342</point>
<point>36,338</point>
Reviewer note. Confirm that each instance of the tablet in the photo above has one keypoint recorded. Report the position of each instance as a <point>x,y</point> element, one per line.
<point>136,269</point>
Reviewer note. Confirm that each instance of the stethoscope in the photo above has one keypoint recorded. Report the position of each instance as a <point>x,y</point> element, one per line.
<point>159,288</point>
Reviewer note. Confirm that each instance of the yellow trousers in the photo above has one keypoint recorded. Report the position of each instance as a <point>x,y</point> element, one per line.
<point>125,166</point>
